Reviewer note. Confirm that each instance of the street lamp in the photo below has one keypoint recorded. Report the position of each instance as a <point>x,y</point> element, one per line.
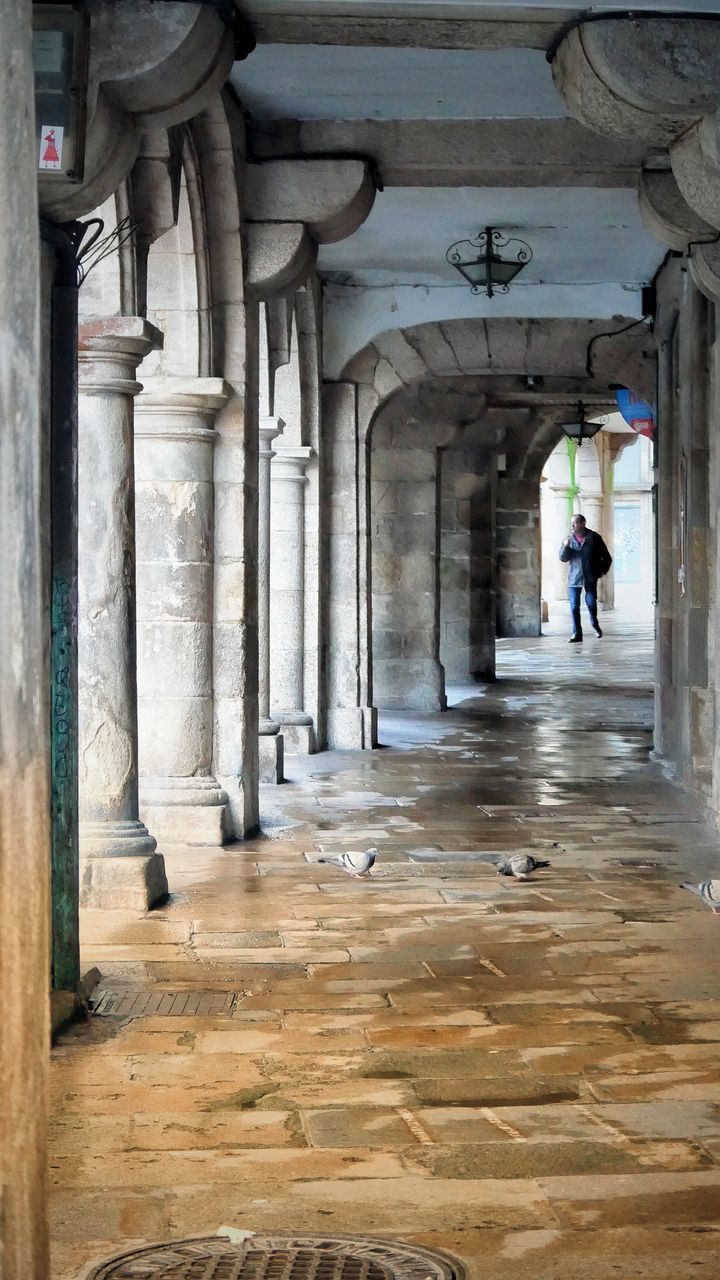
<point>61,48</point>
<point>482,264</point>
<point>580,429</point>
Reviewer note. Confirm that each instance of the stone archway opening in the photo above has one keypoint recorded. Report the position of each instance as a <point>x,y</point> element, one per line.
<point>609,480</point>
<point>431,484</point>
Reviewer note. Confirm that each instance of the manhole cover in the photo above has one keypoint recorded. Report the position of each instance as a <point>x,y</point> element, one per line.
<point>279,1258</point>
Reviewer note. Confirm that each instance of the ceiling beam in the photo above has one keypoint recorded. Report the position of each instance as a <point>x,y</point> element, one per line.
<point>462,153</point>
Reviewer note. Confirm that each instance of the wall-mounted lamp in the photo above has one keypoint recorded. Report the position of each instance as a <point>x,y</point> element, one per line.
<point>61,47</point>
<point>580,429</point>
<point>481,262</point>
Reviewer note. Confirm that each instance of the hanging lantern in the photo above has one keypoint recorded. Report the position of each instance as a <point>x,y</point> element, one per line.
<point>491,262</point>
<point>580,429</point>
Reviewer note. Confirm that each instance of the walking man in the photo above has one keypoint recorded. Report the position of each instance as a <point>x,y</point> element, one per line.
<point>587,559</point>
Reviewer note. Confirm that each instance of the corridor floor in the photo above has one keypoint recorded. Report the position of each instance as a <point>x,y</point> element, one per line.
<point>523,1074</point>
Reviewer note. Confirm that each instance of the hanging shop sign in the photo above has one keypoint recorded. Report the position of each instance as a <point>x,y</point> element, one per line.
<point>637,412</point>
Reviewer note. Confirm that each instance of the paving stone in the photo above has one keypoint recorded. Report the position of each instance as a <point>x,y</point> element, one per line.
<point>524,1074</point>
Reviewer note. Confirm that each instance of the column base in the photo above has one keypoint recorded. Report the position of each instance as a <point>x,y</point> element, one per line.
<point>298,732</point>
<point>125,883</point>
<point>243,817</point>
<point>669,767</point>
<point>271,758</point>
<point>189,811</point>
<point>118,838</point>
<point>352,728</point>
<point>188,823</point>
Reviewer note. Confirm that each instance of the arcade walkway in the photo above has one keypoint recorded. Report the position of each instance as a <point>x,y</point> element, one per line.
<point>526,1075</point>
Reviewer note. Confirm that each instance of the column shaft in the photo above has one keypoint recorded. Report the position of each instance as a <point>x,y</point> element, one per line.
<point>287,596</point>
<point>271,742</point>
<point>350,717</point>
<point>174,441</point>
<point>119,864</point>
<point>24,674</point>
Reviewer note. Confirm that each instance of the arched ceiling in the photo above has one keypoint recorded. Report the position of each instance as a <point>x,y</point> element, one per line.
<point>520,352</point>
<point>455,105</point>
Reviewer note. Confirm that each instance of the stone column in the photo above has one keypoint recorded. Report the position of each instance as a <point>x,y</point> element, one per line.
<point>119,863</point>
<point>593,508</point>
<point>287,596</point>
<point>518,557</point>
<point>350,717</point>
<point>271,744</point>
<point>174,441</point>
<point>562,517</point>
<point>24,673</point>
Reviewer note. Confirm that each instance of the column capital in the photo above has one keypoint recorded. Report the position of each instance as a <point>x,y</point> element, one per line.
<point>289,462</point>
<point>270,428</point>
<point>119,334</point>
<point>109,352</point>
<point>180,409</point>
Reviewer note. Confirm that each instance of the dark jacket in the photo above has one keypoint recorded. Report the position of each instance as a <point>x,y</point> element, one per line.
<point>596,559</point>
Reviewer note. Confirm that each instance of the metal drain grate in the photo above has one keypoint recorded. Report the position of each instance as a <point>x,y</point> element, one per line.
<point>117,1002</point>
<point>280,1258</point>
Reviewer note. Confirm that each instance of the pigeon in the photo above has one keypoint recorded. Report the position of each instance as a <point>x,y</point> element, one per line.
<point>520,865</point>
<point>709,891</point>
<point>355,863</point>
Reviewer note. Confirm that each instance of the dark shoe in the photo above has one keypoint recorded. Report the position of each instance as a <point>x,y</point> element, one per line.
<point>575,640</point>
<point>597,629</point>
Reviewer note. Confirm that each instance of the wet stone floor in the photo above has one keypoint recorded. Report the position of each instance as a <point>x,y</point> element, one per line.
<point>524,1074</point>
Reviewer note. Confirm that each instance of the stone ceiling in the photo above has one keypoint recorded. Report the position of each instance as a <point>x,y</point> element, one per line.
<point>455,105</point>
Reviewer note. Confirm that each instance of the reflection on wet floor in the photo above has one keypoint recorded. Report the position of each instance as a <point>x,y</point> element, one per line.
<point>523,1073</point>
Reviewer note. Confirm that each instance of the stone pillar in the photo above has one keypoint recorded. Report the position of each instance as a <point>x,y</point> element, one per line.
<point>24,677</point>
<point>287,596</point>
<point>593,508</point>
<point>350,716</point>
<point>518,557</point>
<point>271,744</point>
<point>561,518</point>
<point>174,442</point>
<point>666,637</point>
<point>483,621</point>
<point>119,863</point>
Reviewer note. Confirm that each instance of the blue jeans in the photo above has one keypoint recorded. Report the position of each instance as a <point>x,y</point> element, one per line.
<point>575,595</point>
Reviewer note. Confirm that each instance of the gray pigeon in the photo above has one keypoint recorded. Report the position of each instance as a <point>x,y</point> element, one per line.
<point>709,891</point>
<point>355,863</point>
<point>520,865</point>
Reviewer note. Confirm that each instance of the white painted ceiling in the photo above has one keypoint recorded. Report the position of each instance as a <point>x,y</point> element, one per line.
<point>340,82</point>
<point>591,251</point>
<point>579,235</point>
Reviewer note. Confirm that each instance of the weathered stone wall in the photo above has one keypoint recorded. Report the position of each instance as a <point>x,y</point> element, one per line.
<point>467,564</point>
<point>405,535</point>
<point>685,719</point>
<point>518,557</point>
<point>24,679</point>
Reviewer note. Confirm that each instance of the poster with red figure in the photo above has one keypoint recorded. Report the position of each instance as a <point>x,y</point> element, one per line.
<point>51,145</point>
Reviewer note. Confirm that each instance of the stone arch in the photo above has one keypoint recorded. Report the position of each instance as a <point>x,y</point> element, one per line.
<point>232,342</point>
<point>526,374</point>
<point>429,502</point>
<point>557,351</point>
<point>295,569</point>
<point>174,284</point>
<point>108,288</point>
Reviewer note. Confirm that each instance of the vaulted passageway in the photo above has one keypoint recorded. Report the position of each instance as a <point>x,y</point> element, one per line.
<point>524,1074</point>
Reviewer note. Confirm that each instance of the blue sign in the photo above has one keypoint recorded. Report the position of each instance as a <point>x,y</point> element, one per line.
<point>637,412</point>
